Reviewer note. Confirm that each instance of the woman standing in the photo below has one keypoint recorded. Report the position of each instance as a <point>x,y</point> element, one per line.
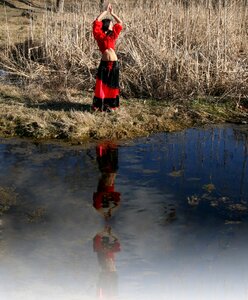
<point>106,96</point>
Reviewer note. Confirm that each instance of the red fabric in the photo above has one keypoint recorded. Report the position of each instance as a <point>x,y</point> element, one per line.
<point>105,41</point>
<point>98,197</point>
<point>97,243</point>
<point>105,189</point>
<point>102,149</point>
<point>103,91</point>
<point>110,65</point>
<point>99,247</point>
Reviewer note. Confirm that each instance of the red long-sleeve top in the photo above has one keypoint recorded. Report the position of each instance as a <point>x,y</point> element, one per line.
<point>105,41</point>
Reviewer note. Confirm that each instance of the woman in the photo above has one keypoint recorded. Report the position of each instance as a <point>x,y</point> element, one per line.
<point>107,80</point>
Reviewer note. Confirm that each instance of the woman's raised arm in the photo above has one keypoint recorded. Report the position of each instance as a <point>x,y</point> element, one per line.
<point>117,19</point>
<point>102,15</point>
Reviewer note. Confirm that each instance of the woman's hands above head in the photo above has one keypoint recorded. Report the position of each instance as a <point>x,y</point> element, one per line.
<point>110,9</point>
<point>103,13</point>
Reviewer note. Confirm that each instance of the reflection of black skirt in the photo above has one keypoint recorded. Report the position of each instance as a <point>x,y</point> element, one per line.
<point>107,157</point>
<point>107,86</point>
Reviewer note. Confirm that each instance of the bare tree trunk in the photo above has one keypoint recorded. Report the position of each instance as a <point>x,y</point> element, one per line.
<point>103,5</point>
<point>7,4</point>
<point>60,5</point>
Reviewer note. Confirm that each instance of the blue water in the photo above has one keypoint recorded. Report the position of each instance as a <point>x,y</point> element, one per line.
<point>163,217</point>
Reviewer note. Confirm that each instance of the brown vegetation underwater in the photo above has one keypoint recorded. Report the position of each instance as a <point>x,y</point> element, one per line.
<point>169,52</point>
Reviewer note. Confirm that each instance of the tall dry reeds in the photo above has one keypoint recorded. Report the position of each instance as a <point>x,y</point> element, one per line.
<point>168,48</point>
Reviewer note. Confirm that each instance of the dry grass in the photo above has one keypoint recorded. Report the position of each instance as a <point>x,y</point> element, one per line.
<point>166,50</point>
<point>67,116</point>
<point>71,119</point>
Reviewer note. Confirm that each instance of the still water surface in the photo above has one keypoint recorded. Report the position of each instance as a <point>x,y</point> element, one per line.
<point>163,217</point>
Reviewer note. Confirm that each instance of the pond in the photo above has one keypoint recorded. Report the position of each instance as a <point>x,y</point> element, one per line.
<point>163,217</point>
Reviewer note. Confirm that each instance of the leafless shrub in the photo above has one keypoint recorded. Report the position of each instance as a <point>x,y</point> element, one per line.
<point>168,49</point>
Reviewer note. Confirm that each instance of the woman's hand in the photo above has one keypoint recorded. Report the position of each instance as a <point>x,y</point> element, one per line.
<point>104,9</point>
<point>110,8</point>
<point>111,11</point>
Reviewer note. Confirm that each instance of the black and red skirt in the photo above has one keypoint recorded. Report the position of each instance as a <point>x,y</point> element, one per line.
<point>107,89</point>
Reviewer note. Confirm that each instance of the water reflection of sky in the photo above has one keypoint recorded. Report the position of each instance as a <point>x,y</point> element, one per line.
<point>179,231</point>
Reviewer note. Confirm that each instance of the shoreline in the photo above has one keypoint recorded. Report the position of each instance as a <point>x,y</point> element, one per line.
<point>67,116</point>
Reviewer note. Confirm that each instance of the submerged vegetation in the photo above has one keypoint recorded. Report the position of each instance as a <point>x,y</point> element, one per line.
<point>7,199</point>
<point>173,52</point>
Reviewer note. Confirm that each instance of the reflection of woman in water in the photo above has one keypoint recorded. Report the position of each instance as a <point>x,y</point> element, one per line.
<point>106,199</point>
<point>106,245</point>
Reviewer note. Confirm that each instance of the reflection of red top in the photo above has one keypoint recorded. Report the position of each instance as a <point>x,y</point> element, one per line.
<point>106,200</point>
<point>105,41</point>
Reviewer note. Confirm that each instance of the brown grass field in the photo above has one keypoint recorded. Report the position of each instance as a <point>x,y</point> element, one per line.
<point>173,52</point>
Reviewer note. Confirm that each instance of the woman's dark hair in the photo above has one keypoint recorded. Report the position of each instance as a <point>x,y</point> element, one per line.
<point>105,26</point>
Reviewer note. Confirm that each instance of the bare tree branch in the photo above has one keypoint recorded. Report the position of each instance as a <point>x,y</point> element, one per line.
<point>4,2</point>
